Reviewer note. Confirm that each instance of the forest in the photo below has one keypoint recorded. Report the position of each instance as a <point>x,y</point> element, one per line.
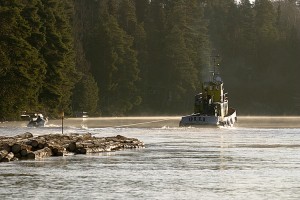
<point>147,57</point>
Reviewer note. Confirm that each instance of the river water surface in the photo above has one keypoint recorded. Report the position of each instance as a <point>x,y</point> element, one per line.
<point>257,159</point>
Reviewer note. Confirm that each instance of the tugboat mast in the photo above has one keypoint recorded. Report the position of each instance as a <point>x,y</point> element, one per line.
<point>215,72</point>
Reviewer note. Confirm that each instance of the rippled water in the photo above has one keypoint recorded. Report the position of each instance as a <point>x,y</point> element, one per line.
<point>177,163</point>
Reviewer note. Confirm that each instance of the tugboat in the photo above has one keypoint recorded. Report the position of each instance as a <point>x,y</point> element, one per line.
<point>211,106</point>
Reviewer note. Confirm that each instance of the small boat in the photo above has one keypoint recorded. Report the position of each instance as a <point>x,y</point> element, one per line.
<point>81,114</point>
<point>37,120</point>
<point>211,105</point>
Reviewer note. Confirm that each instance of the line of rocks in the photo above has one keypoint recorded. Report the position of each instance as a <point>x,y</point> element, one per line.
<point>26,146</point>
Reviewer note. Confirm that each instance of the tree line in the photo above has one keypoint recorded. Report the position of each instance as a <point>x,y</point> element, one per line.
<point>146,57</point>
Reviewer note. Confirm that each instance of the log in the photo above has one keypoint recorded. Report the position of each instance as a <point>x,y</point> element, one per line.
<point>26,146</point>
<point>8,157</point>
<point>42,153</point>
<point>92,149</point>
<point>99,141</point>
<point>116,147</point>
<point>25,135</point>
<point>120,137</point>
<point>3,153</point>
<point>40,146</point>
<point>24,152</point>
<point>6,147</point>
<point>71,147</point>
<point>58,150</point>
<point>87,136</point>
<point>81,150</point>
<point>33,143</point>
<point>18,155</point>
<point>16,148</point>
<point>30,155</point>
<point>38,142</point>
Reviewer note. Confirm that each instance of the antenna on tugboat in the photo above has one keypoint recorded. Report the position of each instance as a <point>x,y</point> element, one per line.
<point>214,61</point>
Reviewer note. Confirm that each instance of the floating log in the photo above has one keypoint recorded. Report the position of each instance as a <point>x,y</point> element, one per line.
<point>25,135</point>
<point>42,153</point>
<point>25,146</point>
<point>8,157</point>
<point>17,155</point>
<point>16,148</point>
<point>6,147</point>
<point>41,145</point>
<point>23,152</point>
<point>3,153</point>
<point>33,143</point>
<point>71,147</point>
<point>58,150</point>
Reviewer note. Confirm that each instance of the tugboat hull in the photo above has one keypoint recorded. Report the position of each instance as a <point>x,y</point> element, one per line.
<point>208,120</point>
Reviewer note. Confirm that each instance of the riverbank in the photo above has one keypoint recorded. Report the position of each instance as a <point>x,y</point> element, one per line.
<point>26,146</point>
<point>173,122</point>
<point>159,122</point>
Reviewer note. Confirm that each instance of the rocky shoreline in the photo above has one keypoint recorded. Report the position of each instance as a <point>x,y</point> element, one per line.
<point>26,146</point>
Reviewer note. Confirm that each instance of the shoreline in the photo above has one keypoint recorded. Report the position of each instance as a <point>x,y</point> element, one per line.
<point>161,121</point>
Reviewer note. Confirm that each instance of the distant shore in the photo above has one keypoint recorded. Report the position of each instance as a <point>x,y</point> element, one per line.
<point>164,121</point>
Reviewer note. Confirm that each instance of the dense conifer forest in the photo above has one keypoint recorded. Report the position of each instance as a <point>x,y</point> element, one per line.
<point>146,57</point>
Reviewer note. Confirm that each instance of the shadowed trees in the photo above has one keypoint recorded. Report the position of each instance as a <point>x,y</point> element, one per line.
<point>131,57</point>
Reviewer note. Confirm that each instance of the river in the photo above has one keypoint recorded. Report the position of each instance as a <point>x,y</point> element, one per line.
<point>256,159</point>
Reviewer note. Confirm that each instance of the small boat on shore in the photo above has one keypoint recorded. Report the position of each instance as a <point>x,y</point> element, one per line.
<point>211,105</point>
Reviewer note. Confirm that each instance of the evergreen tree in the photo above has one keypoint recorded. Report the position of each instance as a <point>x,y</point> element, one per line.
<point>266,39</point>
<point>238,62</point>
<point>181,75</point>
<point>128,21</point>
<point>22,70</point>
<point>86,95</point>
<point>58,53</point>
<point>197,39</point>
<point>126,16</point>
<point>181,54</point>
<point>142,7</point>
<point>246,24</point>
<point>86,92</point>
<point>217,13</point>
<point>153,72</point>
<point>114,66</point>
<point>153,51</point>
<point>285,64</point>
<point>265,21</point>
